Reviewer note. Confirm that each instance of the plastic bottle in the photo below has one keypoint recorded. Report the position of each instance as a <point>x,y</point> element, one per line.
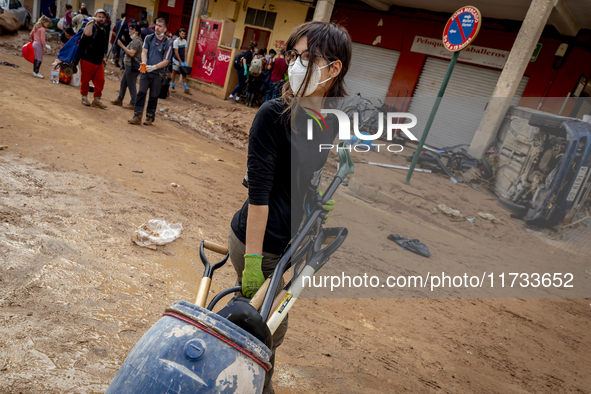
<point>55,76</point>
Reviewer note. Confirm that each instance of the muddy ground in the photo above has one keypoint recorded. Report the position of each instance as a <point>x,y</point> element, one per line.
<point>76,294</point>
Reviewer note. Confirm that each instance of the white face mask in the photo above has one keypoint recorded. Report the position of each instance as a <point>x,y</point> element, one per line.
<point>297,73</point>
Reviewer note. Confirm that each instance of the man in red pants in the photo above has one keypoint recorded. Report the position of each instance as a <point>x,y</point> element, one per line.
<point>92,61</point>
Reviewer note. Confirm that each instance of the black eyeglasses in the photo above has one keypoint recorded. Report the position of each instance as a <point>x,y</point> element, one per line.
<point>292,56</point>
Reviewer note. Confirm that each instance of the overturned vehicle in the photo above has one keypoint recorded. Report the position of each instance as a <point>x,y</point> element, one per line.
<point>542,166</point>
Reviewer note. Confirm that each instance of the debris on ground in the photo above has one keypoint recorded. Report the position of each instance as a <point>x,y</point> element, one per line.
<point>414,245</point>
<point>454,213</point>
<point>138,171</point>
<point>471,220</point>
<point>175,184</point>
<point>489,217</point>
<point>2,147</point>
<point>9,64</point>
<point>156,232</point>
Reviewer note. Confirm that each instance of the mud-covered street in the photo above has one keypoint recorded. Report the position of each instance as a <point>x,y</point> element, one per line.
<point>76,294</point>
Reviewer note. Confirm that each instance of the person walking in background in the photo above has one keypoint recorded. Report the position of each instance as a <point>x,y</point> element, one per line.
<point>178,60</point>
<point>79,19</point>
<point>107,25</point>
<point>156,54</point>
<point>69,15</point>
<point>277,76</point>
<point>146,31</point>
<point>121,32</point>
<point>255,79</point>
<point>66,35</point>
<point>92,60</point>
<point>241,63</point>
<point>38,39</point>
<point>52,10</point>
<point>132,59</point>
<point>267,73</point>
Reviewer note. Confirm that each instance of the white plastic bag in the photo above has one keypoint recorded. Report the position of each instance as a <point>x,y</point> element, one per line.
<point>76,78</point>
<point>61,23</point>
<point>156,232</point>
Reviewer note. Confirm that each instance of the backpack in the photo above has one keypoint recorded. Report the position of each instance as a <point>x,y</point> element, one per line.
<point>256,67</point>
<point>238,60</point>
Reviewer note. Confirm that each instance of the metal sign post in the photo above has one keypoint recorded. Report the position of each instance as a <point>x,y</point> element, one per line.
<point>461,29</point>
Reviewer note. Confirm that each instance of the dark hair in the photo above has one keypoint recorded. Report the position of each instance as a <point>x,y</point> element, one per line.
<point>282,52</point>
<point>68,6</point>
<point>328,40</point>
<point>253,45</point>
<point>161,20</point>
<point>123,15</point>
<point>70,31</point>
<point>262,52</point>
<point>84,11</point>
<point>182,29</point>
<point>134,26</point>
<point>144,23</point>
<point>272,52</point>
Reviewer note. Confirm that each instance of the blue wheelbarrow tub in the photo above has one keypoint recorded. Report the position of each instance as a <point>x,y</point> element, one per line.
<point>193,350</point>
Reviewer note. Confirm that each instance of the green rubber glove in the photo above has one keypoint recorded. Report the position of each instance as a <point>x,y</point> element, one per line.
<point>246,71</point>
<point>329,206</point>
<point>252,276</point>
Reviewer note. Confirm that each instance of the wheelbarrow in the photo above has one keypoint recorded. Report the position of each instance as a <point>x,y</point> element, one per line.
<point>191,349</point>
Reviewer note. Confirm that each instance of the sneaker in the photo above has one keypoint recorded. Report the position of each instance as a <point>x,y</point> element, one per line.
<point>85,101</point>
<point>185,86</point>
<point>98,103</point>
<point>149,120</point>
<point>38,75</point>
<point>137,119</point>
<point>172,85</point>
<point>237,98</point>
<point>117,102</point>
<point>128,106</point>
<point>230,97</point>
<point>112,61</point>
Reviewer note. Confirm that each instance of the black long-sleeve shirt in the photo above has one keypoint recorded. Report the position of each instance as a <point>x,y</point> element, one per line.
<point>281,166</point>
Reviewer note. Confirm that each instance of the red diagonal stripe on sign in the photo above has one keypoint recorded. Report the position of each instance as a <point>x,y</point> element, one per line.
<point>461,29</point>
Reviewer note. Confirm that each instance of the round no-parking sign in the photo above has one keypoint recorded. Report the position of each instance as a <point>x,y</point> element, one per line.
<point>461,29</point>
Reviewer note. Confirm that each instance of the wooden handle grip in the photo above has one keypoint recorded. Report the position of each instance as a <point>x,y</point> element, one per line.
<point>203,291</point>
<point>258,298</point>
<point>215,247</point>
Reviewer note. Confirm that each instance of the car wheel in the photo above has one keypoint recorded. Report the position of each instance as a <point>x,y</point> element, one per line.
<point>517,210</point>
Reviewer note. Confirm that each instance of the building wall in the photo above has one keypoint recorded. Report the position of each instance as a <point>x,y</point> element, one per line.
<point>399,27</point>
<point>289,16</point>
<point>150,5</point>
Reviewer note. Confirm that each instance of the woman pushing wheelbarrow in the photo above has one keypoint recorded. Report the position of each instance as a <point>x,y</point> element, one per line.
<point>281,164</point>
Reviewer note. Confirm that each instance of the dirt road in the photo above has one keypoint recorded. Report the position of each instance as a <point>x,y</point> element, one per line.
<point>76,294</point>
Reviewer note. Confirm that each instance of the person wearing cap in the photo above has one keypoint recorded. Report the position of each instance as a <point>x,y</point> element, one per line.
<point>156,54</point>
<point>92,60</point>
